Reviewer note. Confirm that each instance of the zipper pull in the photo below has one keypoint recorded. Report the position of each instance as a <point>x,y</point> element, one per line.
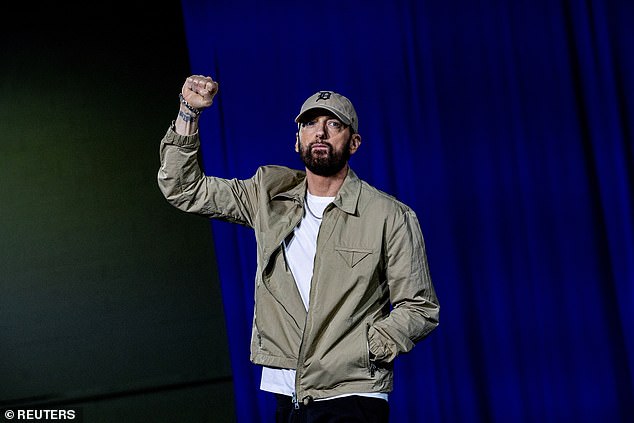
<point>295,402</point>
<point>372,368</point>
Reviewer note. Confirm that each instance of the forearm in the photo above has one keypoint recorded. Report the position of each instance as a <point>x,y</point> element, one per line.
<point>186,122</point>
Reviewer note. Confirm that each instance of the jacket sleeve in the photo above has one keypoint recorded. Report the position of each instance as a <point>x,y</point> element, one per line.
<point>415,308</point>
<point>185,186</point>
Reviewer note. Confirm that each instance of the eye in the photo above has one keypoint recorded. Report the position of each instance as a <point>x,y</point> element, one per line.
<point>309,123</point>
<point>335,124</point>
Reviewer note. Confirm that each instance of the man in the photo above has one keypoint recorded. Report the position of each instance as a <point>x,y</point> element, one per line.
<point>342,284</point>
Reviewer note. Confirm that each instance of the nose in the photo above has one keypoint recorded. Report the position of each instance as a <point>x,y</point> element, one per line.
<point>321,130</point>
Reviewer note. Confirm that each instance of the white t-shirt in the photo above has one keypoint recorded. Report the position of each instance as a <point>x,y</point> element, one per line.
<point>300,253</point>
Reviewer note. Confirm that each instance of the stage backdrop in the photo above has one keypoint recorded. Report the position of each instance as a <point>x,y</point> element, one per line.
<point>109,299</point>
<point>507,126</point>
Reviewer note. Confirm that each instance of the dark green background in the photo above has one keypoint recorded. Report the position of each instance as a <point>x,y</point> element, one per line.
<point>109,298</point>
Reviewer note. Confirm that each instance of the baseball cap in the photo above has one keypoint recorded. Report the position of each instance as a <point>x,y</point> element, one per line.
<point>336,103</point>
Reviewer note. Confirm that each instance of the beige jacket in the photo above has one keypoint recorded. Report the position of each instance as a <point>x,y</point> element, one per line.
<point>371,294</point>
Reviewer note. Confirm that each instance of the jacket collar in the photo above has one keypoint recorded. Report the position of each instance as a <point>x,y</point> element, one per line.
<point>348,196</point>
<point>346,199</point>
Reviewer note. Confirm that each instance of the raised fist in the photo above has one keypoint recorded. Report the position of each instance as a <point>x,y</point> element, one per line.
<point>199,91</point>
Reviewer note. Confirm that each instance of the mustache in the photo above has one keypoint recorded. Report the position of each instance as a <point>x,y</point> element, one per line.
<point>312,144</point>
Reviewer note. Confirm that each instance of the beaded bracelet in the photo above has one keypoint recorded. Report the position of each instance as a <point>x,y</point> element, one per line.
<point>189,106</point>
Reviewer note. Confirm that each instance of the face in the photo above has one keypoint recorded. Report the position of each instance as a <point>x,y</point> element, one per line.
<point>325,143</point>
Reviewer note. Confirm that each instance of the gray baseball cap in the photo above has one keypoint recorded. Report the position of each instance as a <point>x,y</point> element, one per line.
<point>336,103</point>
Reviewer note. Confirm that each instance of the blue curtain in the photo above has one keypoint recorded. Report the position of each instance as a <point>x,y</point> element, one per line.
<point>507,127</point>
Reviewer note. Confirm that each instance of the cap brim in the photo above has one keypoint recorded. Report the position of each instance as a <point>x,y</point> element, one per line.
<point>331,110</point>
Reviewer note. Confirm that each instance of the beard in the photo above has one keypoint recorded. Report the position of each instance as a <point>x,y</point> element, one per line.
<point>325,164</point>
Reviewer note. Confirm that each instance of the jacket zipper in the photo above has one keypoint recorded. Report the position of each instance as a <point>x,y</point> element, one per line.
<point>301,345</point>
<point>282,245</point>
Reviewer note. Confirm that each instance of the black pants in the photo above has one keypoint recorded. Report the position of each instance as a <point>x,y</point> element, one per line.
<point>352,409</point>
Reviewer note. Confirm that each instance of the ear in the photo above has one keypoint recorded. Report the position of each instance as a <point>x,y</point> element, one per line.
<point>355,142</point>
<point>297,142</point>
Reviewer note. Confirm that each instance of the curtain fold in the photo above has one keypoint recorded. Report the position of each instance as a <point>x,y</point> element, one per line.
<point>507,127</point>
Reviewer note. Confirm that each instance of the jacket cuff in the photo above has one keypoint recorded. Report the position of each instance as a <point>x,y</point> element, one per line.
<point>382,349</point>
<point>174,138</point>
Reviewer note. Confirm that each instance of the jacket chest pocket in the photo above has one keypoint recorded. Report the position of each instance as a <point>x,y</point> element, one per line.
<point>353,255</point>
